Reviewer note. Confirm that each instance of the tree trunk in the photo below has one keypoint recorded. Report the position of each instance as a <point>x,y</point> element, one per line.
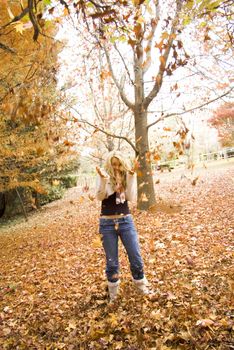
<point>110,143</point>
<point>145,184</point>
<point>2,204</point>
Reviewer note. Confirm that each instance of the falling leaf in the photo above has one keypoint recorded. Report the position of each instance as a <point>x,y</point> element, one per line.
<point>19,26</point>
<point>165,35</point>
<point>144,198</point>
<point>65,12</point>
<point>81,199</point>
<point>85,188</point>
<point>91,197</point>
<point>194,181</point>
<point>51,10</point>
<point>68,143</point>
<point>156,156</point>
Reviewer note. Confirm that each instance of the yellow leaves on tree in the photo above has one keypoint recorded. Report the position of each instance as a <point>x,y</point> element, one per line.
<point>34,139</point>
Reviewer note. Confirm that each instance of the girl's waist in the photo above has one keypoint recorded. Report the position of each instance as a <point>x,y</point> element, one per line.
<point>114,216</point>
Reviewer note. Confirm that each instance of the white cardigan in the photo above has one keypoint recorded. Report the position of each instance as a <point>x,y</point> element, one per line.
<point>104,188</point>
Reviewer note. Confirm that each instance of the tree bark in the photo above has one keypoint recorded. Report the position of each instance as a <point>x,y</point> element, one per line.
<point>145,184</point>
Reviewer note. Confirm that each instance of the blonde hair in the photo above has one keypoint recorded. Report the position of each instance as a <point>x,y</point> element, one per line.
<point>109,169</point>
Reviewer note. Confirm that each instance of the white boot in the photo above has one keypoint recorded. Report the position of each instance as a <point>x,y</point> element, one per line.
<point>113,289</point>
<point>142,286</point>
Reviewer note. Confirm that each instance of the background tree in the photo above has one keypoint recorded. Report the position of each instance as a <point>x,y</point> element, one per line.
<point>34,129</point>
<point>223,121</point>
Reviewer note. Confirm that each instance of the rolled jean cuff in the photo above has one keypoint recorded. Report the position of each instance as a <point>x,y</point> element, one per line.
<point>113,280</point>
<point>138,275</point>
<point>113,283</point>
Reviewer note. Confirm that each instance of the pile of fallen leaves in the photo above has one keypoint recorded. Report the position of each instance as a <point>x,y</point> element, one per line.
<point>53,287</point>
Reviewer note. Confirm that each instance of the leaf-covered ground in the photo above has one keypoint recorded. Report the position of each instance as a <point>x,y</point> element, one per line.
<point>53,287</point>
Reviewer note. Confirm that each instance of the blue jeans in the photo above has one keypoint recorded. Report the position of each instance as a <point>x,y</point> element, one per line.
<point>111,230</point>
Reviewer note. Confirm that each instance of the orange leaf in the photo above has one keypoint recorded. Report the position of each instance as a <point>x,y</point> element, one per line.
<point>195,181</point>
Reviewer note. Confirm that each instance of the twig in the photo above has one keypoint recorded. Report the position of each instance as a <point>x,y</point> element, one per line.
<point>104,131</point>
<point>189,110</point>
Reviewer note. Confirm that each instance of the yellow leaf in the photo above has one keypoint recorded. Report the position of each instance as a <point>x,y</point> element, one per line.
<point>55,182</point>
<point>156,315</point>
<point>91,197</point>
<point>71,325</point>
<point>165,35</point>
<point>81,199</point>
<point>97,242</point>
<point>65,12</point>
<point>40,151</point>
<point>113,320</point>
<point>140,20</point>
<point>173,36</point>
<point>118,345</point>
<point>144,198</point>
<point>157,156</point>
<point>19,26</point>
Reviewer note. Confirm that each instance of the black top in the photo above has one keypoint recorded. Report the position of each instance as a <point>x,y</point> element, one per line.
<point>109,206</point>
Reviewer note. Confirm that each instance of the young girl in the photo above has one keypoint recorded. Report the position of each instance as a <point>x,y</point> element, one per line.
<point>115,187</point>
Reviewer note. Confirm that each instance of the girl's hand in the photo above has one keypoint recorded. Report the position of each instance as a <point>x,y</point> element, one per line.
<point>100,172</point>
<point>118,176</point>
<point>119,188</point>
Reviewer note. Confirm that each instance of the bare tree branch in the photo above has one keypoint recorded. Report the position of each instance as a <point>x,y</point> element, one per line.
<point>120,89</point>
<point>104,131</point>
<point>189,110</point>
<point>7,48</point>
<point>159,78</point>
<point>33,20</point>
<point>124,63</point>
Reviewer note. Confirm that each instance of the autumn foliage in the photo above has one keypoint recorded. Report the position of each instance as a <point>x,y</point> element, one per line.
<point>33,125</point>
<point>223,121</point>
